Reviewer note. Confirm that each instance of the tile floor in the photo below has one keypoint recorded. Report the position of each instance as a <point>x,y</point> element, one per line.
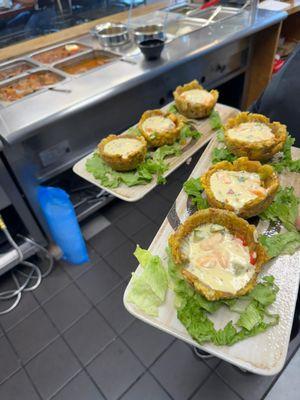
<point>72,339</point>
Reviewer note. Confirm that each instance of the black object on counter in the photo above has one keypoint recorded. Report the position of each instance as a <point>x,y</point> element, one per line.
<point>152,48</point>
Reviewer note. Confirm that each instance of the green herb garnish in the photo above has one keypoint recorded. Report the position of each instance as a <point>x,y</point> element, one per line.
<point>222,154</point>
<point>286,162</point>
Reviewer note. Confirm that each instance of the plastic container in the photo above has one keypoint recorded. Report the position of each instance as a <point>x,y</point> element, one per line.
<point>63,225</point>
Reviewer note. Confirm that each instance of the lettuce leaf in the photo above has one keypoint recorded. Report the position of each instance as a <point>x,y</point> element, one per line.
<point>188,131</point>
<point>284,208</point>
<point>173,109</point>
<point>194,189</point>
<point>281,243</point>
<point>221,154</point>
<point>286,162</point>
<point>193,310</point>
<point>215,120</point>
<point>148,289</point>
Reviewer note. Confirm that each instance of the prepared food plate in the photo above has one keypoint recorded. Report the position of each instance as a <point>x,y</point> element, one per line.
<point>135,193</point>
<point>263,353</point>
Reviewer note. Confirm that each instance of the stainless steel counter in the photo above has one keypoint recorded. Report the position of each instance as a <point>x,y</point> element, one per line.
<point>25,117</point>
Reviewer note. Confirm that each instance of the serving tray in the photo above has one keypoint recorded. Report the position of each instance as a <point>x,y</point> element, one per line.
<point>135,193</point>
<point>265,353</point>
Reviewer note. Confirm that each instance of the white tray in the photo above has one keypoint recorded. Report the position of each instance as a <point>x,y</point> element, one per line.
<point>263,354</point>
<point>135,193</point>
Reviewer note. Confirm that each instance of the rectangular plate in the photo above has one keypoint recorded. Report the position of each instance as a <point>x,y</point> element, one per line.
<point>263,354</point>
<point>135,193</point>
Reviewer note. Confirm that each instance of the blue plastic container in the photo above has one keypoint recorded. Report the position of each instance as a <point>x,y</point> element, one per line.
<point>59,213</point>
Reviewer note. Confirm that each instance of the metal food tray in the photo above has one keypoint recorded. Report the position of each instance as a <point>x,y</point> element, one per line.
<point>136,193</point>
<point>174,27</point>
<point>15,63</point>
<point>25,75</point>
<point>225,12</point>
<point>111,56</point>
<point>85,49</point>
<point>263,354</point>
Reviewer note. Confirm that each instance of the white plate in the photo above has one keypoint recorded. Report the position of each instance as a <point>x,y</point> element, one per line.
<point>263,354</point>
<point>135,193</point>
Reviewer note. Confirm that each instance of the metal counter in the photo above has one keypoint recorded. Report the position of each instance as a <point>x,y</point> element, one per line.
<point>23,118</point>
<point>45,134</point>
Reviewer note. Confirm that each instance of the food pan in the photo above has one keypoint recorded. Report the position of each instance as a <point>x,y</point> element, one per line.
<point>60,52</point>
<point>111,34</point>
<point>27,84</point>
<point>15,68</point>
<point>86,62</point>
<point>183,27</point>
<point>225,12</point>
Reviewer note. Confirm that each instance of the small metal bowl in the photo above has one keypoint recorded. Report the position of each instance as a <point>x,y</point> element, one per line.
<point>149,32</point>
<point>111,34</point>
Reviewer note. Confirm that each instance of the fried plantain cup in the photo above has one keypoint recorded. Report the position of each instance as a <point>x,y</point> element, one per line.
<point>262,150</point>
<point>169,136</point>
<point>238,227</point>
<point>269,181</point>
<point>121,159</point>
<point>194,110</point>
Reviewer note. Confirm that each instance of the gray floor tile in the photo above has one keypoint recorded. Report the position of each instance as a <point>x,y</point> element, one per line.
<point>54,282</point>
<point>18,387</point>
<point>122,259</point>
<point>98,281</point>
<point>170,191</point>
<point>132,222</point>
<point>93,226</point>
<point>146,388</point>
<point>52,368</point>
<point>108,240</point>
<point>27,304</point>
<point>286,387</point>
<point>74,271</point>
<point>67,306</point>
<point>89,336</point>
<point>80,388</point>
<point>116,209</point>
<point>249,386</point>
<point>146,342</point>
<point>145,236</point>
<point>179,372</point>
<point>115,370</point>
<point>32,334</point>
<point>9,362</point>
<point>113,309</point>
<point>155,207</point>
<point>215,388</point>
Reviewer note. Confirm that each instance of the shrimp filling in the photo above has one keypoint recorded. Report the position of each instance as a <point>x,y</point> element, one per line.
<point>236,188</point>
<point>197,97</point>
<point>218,259</point>
<point>251,132</point>
<point>157,124</point>
<point>122,147</point>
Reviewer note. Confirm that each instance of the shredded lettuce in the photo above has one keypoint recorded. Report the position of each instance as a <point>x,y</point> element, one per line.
<point>281,243</point>
<point>284,208</point>
<point>194,189</point>
<point>193,310</point>
<point>148,290</point>
<point>286,162</point>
